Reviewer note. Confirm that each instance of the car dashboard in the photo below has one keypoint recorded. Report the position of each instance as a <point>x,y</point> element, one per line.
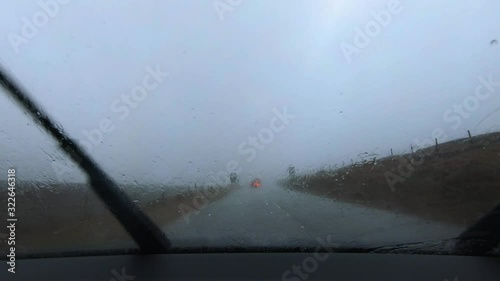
<point>260,266</point>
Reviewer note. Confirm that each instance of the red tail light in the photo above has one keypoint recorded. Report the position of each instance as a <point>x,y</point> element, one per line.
<point>256,183</point>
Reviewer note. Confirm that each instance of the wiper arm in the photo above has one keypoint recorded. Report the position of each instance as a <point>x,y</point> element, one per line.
<point>145,233</point>
<point>443,246</point>
<point>483,236</point>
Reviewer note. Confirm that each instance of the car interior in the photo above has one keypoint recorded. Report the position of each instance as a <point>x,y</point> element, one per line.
<point>293,203</point>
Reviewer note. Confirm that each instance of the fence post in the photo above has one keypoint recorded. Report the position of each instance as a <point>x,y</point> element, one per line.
<point>392,154</point>
<point>436,144</point>
<point>470,136</point>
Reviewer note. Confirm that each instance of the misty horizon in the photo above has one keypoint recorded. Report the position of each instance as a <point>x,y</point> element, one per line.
<point>172,92</point>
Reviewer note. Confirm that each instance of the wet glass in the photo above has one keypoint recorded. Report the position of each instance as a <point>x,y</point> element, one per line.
<point>258,123</point>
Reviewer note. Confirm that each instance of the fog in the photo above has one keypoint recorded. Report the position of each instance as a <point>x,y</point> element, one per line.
<point>172,91</point>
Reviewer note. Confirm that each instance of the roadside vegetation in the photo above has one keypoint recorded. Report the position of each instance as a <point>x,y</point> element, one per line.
<point>455,182</point>
<point>70,217</point>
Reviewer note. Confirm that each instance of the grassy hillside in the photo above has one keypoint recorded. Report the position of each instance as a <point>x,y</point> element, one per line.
<point>456,183</point>
<point>70,217</point>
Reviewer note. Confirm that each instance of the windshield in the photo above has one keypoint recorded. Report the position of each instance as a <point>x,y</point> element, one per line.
<point>253,124</point>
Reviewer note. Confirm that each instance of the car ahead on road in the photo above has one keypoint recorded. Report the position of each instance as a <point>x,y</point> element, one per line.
<point>256,183</point>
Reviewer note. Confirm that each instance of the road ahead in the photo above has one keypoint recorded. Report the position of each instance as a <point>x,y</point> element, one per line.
<point>272,216</point>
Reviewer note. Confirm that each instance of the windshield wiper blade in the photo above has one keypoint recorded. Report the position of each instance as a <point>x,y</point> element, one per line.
<point>140,227</point>
<point>481,237</point>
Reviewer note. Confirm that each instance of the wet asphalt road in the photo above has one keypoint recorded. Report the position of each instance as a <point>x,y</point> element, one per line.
<point>273,217</point>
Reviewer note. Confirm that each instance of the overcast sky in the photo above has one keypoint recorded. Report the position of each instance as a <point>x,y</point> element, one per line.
<point>237,69</point>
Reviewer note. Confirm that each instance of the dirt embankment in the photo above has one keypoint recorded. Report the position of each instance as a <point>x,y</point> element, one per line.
<point>68,218</point>
<point>456,182</point>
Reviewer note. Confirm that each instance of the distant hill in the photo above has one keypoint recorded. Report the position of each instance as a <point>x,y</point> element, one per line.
<point>457,183</point>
